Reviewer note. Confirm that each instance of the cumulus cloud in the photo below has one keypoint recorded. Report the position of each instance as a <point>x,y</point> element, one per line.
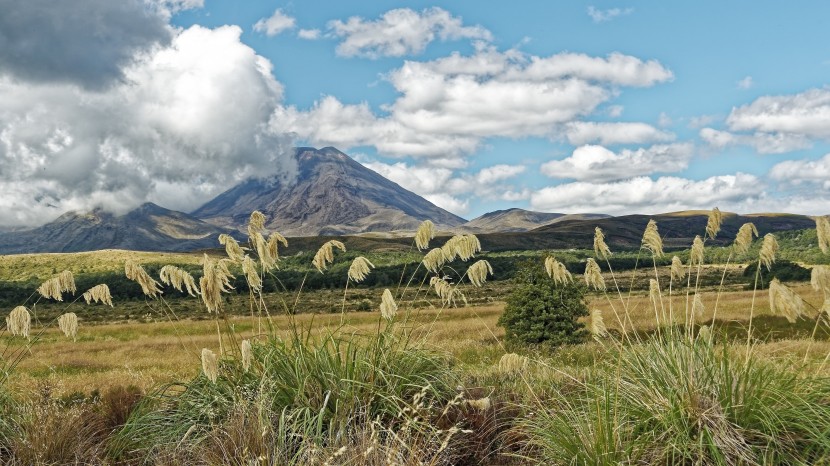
<point>776,124</point>
<point>796,172</point>
<point>764,143</point>
<point>448,189</point>
<point>596,163</point>
<point>745,83</point>
<point>601,16</point>
<point>583,132</point>
<point>188,121</point>
<point>275,24</point>
<point>400,32</point>
<point>645,195</point>
<point>448,106</point>
<point>309,34</point>
<point>84,42</point>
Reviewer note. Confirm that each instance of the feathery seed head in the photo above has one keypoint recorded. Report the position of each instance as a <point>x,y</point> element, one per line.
<point>593,275</point>
<point>462,246</point>
<point>247,354</point>
<point>446,291</point>
<point>557,271</point>
<point>251,272</point>
<point>263,251</point>
<point>426,231</point>
<point>820,278</point>
<point>57,285</point>
<point>325,255</point>
<point>697,307</point>
<point>597,327</point>
<point>388,307</point>
<point>136,273</point>
<point>654,292</point>
<point>652,240</point>
<point>678,272</point>
<point>481,404</point>
<point>359,269</point>
<point>768,250</point>
<point>512,363</point>
<point>210,366</point>
<point>68,323</point>
<point>19,322</point>
<point>714,222</point>
<point>600,248</point>
<point>697,251</point>
<point>784,301</point>
<point>215,281</point>
<point>274,240</point>
<point>743,240</point>
<point>705,333</point>
<point>823,233</point>
<point>234,251</point>
<point>433,260</point>
<point>256,223</point>
<point>98,294</point>
<point>179,279</point>
<point>825,308</point>
<point>477,273</point>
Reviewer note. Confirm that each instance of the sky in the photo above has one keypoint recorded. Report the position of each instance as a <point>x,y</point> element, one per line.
<point>567,106</point>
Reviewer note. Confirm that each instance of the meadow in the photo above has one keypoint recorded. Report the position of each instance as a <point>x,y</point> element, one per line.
<point>686,360</point>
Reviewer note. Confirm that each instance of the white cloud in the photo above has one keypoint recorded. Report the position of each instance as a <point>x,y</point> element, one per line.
<point>664,120</point>
<point>596,163</point>
<point>187,121</point>
<point>309,34</point>
<point>796,172</point>
<point>764,143</point>
<point>644,195</point>
<point>582,132</point>
<point>601,16</point>
<point>616,68</point>
<point>448,189</point>
<point>777,124</point>
<point>702,120</point>
<point>401,32</point>
<point>614,111</point>
<point>275,24</point>
<point>745,83</point>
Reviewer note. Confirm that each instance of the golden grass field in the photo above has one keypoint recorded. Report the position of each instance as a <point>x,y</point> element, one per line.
<point>149,354</point>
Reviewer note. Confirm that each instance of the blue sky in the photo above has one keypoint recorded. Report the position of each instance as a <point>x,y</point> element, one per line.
<point>577,106</point>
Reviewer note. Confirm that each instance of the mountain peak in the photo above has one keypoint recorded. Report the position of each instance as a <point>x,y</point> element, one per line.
<point>333,194</point>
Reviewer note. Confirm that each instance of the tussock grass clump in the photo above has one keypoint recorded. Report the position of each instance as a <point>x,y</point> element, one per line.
<point>301,396</point>
<point>687,402</point>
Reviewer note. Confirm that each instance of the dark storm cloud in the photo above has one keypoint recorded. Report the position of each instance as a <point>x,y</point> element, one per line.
<point>86,42</point>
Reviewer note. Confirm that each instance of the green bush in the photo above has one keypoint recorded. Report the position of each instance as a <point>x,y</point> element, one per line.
<point>538,311</point>
<point>783,270</point>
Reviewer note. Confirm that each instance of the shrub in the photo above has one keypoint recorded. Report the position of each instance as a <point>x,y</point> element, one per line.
<point>538,311</point>
<point>783,270</point>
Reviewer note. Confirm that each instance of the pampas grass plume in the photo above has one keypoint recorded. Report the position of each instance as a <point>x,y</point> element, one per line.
<point>557,271</point>
<point>136,273</point>
<point>426,231</point>
<point>247,354</point>
<point>593,275</point>
<point>433,260</point>
<point>179,279</point>
<point>652,240</point>
<point>477,273</point>
<point>784,301</point>
<point>359,269</point>
<point>462,246</point>
<point>19,322</point>
<point>210,366</point>
<point>68,323</point>
<point>768,250</point>
<point>678,272</point>
<point>234,251</point>
<point>697,307</point>
<point>256,223</point>
<point>714,222</point>
<point>325,255</point>
<point>215,281</point>
<point>388,307</point>
<point>597,327</point>
<point>98,294</point>
<point>743,240</point>
<point>55,287</point>
<point>697,251</point>
<point>820,278</point>
<point>251,272</point>
<point>654,292</point>
<point>600,248</point>
<point>823,233</point>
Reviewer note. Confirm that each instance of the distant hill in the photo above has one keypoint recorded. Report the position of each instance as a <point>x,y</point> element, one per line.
<point>518,220</point>
<point>147,228</point>
<point>678,229</point>
<point>332,195</point>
